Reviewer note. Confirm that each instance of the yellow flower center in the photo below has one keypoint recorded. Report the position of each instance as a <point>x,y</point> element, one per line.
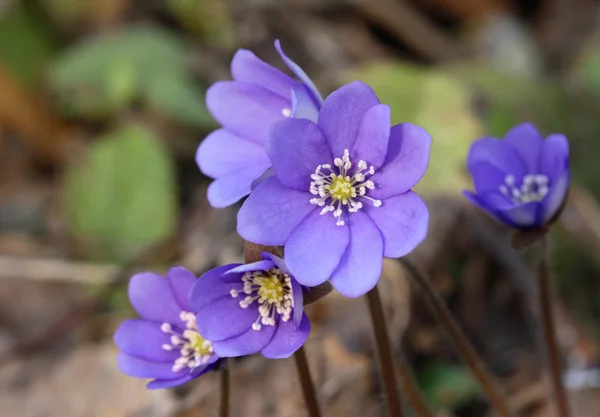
<point>342,185</point>
<point>272,289</point>
<point>194,350</point>
<point>341,189</point>
<point>197,343</point>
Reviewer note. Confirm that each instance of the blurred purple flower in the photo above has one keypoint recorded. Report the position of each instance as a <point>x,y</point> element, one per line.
<point>522,180</point>
<point>259,96</point>
<point>341,196</point>
<point>164,344</point>
<point>245,309</point>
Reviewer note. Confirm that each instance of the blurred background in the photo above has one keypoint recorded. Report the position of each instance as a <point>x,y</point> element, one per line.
<point>101,111</point>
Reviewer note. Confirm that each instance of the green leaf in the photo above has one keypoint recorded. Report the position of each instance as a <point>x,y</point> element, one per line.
<point>178,98</point>
<point>104,75</point>
<point>447,386</point>
<point>122,196</point>
<point>437,102</point>
<point>25,43</point>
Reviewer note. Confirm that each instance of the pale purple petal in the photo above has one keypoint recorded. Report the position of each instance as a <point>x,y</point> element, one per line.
<point>402,221</point>
<point>297,294</point>
<point>254,266</point>
<point>224,152</point>
<point>211,286</point>
<point>151,296</point>
<point>315,248</point>
<point>232,187</point>
<point>527,141</point>
<point>247,343</point>
<point>272,212</point>
<point>554,156</point>
<point>371,143</point>
<point>141,368</point>
<point>406,162</point>
<point>522,215</point>
<point>168,383</point>
<point>298,297</point>
<point>224,318</point>
<point>360,267</point>
<point>205,367</point>
<point>556,197</point>
<point>245,109</point>
<point>498,153</point>
<point>247,67</point>
<point>342,114</point>
<point>144,339</point>
<point>287,339</point>
<point>181,281</point>
<point>267,174</point>
<point>296,147</point>
<point>299,72</point>
<point>488,177</point>
<point>303,105</point>
<point>491,203</point>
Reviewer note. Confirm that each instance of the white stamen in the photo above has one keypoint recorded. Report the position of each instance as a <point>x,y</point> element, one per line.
<point>193,349</point>
<point>534,187</point>
<point>338,188</point>
<point>272,289</point>
<point>286,112</point>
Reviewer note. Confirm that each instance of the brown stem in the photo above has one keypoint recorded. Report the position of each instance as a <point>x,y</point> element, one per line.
<point>224,385</point>
<point>308,388</point>
<point>485,378</point>
<point>410,388</point>
<point>384,351</point>
<point>547,319</point>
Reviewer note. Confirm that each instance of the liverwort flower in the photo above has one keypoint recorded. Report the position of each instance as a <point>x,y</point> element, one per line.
<point>522,180</point>
<point>259,96</point>
<point>164,344</point>
<point>248,308</point>
<point>341,196</point>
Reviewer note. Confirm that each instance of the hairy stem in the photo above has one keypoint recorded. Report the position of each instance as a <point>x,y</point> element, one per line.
<point>308,388</point>
<point>224,385</point>
<point>470,356</point>
<point>384,351</point>
<point>547,319</point>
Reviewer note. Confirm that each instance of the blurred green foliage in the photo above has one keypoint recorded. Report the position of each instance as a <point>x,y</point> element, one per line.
<point>447,386</point>
<point>207,19</point>
<point>106,74</point>
<point>20,31</point>
<point>121,197</point>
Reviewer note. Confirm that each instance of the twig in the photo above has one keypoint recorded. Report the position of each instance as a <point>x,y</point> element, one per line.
<point>547,318</point>
<point>39,269</point>
<point>308,388</point>
<point>224,386</point>
<point>460,340</point>
<point>384,352</point>
<point>81,312</point>
<point>403,21</point>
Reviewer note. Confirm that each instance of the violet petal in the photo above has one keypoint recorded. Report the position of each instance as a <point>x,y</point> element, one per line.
<point>360,267</point>
<point>402,221</point>
<point>272,212</point>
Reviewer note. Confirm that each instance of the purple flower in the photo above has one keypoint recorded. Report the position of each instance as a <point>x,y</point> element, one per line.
<point>522,180</point>
<point>164,344</point>
<point>245,309</point>
<point>259,96</point>
<point>340,198</point>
